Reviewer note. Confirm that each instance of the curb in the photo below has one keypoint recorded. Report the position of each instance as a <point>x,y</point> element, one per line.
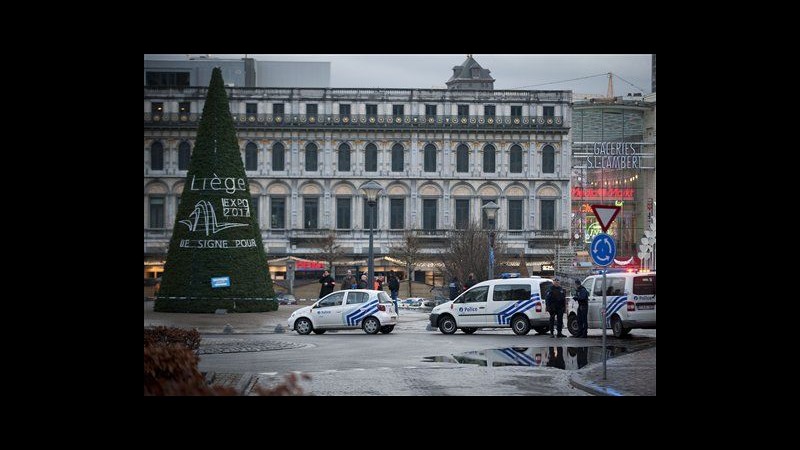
<point>593,388</point>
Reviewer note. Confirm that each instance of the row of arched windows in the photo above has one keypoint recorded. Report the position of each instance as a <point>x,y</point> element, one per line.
<point>370,158</point>
<point>157,156</point>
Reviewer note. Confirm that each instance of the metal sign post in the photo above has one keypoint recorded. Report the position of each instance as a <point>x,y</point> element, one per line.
<point>604,323</point>
<point>603,251</point>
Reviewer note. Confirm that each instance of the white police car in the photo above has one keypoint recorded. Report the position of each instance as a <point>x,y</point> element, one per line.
<point>630,302</point>
<point>515,302</point>
<point>369,310</point>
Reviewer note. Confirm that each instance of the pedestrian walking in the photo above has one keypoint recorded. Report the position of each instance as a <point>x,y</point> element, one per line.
<point>394,288</point>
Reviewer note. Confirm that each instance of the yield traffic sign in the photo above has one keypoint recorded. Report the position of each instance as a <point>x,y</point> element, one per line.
<point>605,215</point>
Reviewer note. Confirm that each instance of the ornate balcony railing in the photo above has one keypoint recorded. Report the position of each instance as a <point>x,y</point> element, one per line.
<point>363,95</point>
<point>366,121</point>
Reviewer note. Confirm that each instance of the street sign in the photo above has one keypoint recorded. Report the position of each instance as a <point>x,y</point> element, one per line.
<point>605,215</point>
<point>218,282</point>
<point>603,249</point>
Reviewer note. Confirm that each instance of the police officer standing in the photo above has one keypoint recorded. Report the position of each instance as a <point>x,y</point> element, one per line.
<point>555,300</point>
<point>582,297</point>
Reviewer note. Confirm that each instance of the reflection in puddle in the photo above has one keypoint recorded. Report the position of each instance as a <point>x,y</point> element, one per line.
<point>567,358</point>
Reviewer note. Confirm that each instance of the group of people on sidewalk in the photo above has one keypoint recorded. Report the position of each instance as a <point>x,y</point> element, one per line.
<point>350,282</point>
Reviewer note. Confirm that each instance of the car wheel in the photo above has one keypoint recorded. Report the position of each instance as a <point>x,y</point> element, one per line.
<point>318,331</point>
<point>447,325</point>
<point>469,330</point>
<point>541,330</point>
<point>617,328</point>
<point>521,325</point>
<point>371,325</point>
<point>387,329</point>
<point>303,326</point>
<point>572,325</point>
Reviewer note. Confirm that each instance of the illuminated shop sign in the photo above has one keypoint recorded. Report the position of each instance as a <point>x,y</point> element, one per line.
<point>592,230</point>
<point>603,193</point>
<point>613,155</point>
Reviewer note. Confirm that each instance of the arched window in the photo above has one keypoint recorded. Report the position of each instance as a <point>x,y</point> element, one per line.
<point>371,158</point>
<point>462,158</point>
<point>311,158</point>
<point>488,159</point>
<point>548,159</point>
<point>278,156</point>
<point>398,158</point>
<point>156,156</point>
<point>343,162</point>
<point>430,158</point>
<point>184,154</point>
<point>251,157</point>
<point>156,211</point>
<point>516,159</point>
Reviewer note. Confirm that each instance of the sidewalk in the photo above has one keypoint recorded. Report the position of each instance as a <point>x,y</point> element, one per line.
<point>241,323</point>
<point>632,374</point>
<point>255,323</point>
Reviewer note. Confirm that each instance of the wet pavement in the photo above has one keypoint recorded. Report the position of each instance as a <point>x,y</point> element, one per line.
<point>632,374</point>
<point>558,357</point>
<point>252,354</point>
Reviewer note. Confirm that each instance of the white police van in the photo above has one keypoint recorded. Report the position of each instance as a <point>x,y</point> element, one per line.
<point>630,302</point>
<point>516,302</point>
<point>369,310</point>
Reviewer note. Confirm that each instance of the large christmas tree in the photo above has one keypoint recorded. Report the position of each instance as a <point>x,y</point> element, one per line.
<point>216,256</point>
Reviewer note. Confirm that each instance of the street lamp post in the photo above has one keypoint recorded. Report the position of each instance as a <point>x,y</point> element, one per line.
<point>371,189</point>
<point>491,212</point>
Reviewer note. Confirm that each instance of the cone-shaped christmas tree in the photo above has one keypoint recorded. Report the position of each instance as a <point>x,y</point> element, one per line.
<point>216,256</point>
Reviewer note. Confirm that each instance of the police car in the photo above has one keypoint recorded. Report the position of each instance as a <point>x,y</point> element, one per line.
<point>630,302</point>
<point>370,310</point>
<point>517,303</point>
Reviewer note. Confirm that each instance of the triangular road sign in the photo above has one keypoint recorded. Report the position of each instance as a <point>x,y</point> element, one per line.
<point>605,215</point>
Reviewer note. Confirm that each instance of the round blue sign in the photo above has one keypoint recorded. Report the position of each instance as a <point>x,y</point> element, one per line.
<point>603,249</point>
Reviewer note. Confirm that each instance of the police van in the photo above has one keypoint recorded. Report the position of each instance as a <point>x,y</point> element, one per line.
<point>517,303</point>
<point>630,303</point>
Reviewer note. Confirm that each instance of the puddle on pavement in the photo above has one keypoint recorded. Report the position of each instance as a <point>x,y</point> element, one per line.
<point>567,358</point>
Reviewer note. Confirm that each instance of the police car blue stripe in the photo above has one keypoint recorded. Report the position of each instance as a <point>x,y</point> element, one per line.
<point>614,306</point>
<point>356,316</point>
<point>519,357</point>
<point>519,307</point>
<point>504,316</point>
<point>351,318</point>
<point>365,313</point>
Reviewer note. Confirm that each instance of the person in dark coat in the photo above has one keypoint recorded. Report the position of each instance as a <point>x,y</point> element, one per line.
<point>471,281</point>
<point>555,299</point>
<point>454,288</point>
<point>327,284</point>
<point>394,288</point>
<point>362,284</point>
<point>582,297</point>
<point>349,281</point>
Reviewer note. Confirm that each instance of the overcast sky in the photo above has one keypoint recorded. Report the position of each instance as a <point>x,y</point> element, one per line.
<point>509,71</point>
